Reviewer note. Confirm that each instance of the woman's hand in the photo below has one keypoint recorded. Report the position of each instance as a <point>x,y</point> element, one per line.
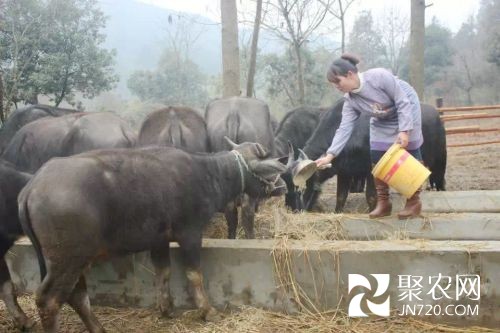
<point>403,139</point>
<point>322,161</point>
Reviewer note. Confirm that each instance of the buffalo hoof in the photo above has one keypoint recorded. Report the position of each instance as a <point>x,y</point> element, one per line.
<point>212,315</point>
<point>165,309</point>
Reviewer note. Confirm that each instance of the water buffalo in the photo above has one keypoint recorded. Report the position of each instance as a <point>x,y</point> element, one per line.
<point>39,141</point>
<point>434,150</point>
<point>179,127</point>
<point>241,119</point>
<point>20,117</point>
<point>114,202</point>
<point>296,127</point>
<point>353,165</point>
<point>11,183</point>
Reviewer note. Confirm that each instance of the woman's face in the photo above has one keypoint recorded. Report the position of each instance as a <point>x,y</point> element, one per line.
<point>346,83</point>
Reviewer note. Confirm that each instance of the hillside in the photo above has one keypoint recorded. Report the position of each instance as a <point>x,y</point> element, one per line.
<point>137,32</point>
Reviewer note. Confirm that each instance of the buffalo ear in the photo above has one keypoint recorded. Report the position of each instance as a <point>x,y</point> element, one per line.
<point>284,160</point>
<point>277,166</point>
<point>230,142</point>
<point>267,169</point>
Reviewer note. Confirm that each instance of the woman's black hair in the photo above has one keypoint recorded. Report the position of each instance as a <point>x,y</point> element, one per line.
<point>347,62</point>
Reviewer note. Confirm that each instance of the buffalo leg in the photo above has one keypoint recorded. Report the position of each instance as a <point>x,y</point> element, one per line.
<point>55,289</point>
<point>79,301</point>
<point>8,292</point>
<point>231,214</point>
<point>190,248</point>
<point>311,193</point>
<point>248,216</point>
<point>313,189</point>
<point>370,194</point>
<point>343,185</point>
<point>161,261</point>
<point>438,178</point>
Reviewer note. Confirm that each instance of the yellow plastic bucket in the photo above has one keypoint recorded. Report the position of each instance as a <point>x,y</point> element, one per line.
<point>401,171</point>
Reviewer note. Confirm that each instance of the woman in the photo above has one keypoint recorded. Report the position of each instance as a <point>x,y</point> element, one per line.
<point>395,110</point>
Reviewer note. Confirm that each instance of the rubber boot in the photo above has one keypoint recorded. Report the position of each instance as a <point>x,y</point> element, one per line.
<point>384,206</point>
<point>413,207</point>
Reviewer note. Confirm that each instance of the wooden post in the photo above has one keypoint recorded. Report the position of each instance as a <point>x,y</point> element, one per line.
<point>439,104</point>
<point>417,45</point>
<point>230,49</point>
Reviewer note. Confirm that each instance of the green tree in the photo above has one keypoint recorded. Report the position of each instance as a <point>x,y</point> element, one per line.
<point>438,51</point>
<point>53,48</point>
<point>176,81</point>
<point>488,52</point>
<point>438,58</point>
<point>366,42</point>
<point>489,26</point>
<point>20,47</point>
<point>73,60</point>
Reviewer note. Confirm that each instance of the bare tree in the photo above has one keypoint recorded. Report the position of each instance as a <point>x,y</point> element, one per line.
<point>182,33</point>
<point>417,43</point>
<point>340,14</point>
<point>230,49</point>
<point>294,22</point>
<point>467,63</point>
<point>253,50</point>
<point>394,29</point>
<point>469,81</point>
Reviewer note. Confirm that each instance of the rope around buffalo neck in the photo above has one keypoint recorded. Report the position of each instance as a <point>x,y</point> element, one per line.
<point>240,161</point>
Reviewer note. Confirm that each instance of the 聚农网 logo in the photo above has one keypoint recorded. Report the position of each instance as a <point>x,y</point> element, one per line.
<point>378,308</point>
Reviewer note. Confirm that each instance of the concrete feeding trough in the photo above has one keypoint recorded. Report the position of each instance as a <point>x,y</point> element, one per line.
<point>261,273</point>
<point>438,202</point>
<point>251,272</point>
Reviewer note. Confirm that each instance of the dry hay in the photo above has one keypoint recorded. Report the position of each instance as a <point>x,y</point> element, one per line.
<point>309,315</point>
<point>273,221</point>
<point>242,319</point>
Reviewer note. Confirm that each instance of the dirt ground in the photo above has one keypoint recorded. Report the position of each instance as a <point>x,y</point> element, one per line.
<point>474,167</point>
<point>240,320</point>
<point>469,168</point>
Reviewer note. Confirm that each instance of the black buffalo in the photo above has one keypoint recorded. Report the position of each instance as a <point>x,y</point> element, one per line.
<point>108,203</point>
<point>242,120</point>
<point>179,127</point>
<point>39,141</point>
<point>11,183</point>
<point>353,166</point>
<point>20,117</point>
<point>295,128</point>
<point>434,151</point>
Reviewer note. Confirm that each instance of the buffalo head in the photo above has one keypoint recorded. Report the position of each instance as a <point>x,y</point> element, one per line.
<point>260,174</point>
